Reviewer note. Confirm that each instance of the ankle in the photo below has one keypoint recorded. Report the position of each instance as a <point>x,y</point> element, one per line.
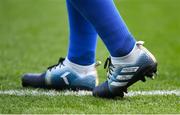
<point>80,69</point>
<point>129,58</point>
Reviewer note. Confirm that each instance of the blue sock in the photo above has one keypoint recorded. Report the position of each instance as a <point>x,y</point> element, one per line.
<point>82,40</point>
<point>108,23</point>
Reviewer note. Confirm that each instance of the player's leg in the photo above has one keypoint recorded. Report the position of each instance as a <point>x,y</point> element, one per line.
<point>129,61</point>
<point>77,71</point>
<point>108,23</point>
<point>82,40</point>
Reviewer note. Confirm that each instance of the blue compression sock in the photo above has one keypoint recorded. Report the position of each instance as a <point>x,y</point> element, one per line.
<point>83,37</point>
<point>108,23</point>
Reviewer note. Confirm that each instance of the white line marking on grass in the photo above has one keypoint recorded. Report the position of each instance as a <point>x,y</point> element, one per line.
<point>154,92</point>
<point>36,92</point>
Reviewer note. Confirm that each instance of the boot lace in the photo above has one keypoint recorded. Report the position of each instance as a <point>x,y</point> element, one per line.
<point>60,63</point>
<point>108,64</point>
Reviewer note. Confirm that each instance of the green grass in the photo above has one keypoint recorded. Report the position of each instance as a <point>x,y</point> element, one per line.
<point>34,34</point>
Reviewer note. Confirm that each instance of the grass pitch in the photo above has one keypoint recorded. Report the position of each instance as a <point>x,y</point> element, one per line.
<point>34,34</point>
